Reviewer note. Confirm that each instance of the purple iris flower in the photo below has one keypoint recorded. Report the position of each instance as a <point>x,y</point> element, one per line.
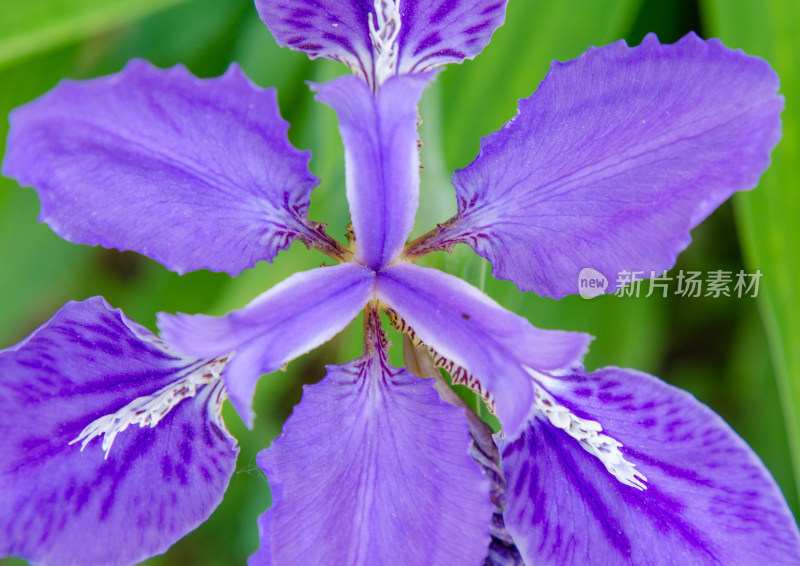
<point>112,444</point>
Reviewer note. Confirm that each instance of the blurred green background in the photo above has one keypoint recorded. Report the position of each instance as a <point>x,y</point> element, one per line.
<point>741,356</point>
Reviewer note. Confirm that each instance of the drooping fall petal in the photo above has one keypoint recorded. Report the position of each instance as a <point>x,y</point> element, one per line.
<point>380,38</point>
<point>66,501</point>
<point>707,498</point>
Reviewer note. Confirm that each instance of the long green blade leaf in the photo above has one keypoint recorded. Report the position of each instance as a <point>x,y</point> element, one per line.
<point>767,217</point>
<point>34,26</point>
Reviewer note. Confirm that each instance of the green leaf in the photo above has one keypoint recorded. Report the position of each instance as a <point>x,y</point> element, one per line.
<point>39,270</point>
<point>34,26</point>
<point>767,216</point>
<point>481,95</point>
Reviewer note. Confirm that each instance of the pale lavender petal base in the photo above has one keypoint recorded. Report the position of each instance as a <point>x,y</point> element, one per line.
<point>59,505</point>
<point>709,499</point>
<point>294,317</point>
<point>468,328</point>
<point>381,160</point>
<point>372,468</point>
<point>194,173</point>
<point>613,160</point>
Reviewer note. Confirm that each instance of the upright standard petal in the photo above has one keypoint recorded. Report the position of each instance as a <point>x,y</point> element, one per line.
<point>465,326</point>
<point>704,496</point>
<point>372,456</point>
<point>69,498</point>
<point>380,38</point>
<point>196,174</point>
<point>294,317</point>
<point>381,160</point>
<point>613,160</point>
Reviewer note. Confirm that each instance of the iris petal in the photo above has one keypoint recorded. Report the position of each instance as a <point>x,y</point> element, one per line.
<point>194,173</point>
<point>372,456</point>
<point>708,498</point>
<point>381,160</point>
<point>613,160</point>
<point>294,317</point>
<point>369,35</point>
<point>467,327</point>
<point>65,504</point>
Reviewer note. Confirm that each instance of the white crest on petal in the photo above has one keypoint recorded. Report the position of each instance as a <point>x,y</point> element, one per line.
<point>588,434</point>
<point>384,30</point>
<point>149,410</point>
